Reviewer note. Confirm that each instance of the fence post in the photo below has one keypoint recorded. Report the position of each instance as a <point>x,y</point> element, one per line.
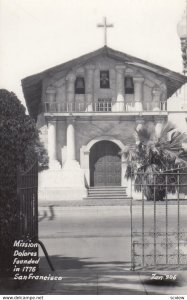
<point>178,215</point>
<point>166,217</point>
<point>154,218</point>
<point>143,222</point>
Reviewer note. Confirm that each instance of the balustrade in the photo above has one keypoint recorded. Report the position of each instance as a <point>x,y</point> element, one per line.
<point>104,105</point>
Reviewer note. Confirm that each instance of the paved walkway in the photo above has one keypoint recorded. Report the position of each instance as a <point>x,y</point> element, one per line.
<point>90,249</point>
<point>100,279</point>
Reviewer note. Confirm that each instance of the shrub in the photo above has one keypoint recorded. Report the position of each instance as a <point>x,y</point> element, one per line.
<point>19,144</point>
<point>152,157</point>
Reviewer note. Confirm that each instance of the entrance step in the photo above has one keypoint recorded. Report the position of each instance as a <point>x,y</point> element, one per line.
<point>104,193</point>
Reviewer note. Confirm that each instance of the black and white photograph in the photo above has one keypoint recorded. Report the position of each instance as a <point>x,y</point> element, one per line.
<point>93,148</point>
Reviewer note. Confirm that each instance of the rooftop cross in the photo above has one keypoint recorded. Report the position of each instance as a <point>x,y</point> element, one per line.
<point>105,26</point>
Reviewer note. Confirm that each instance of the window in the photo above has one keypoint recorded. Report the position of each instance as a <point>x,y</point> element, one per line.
<point>129,85</point>
<point>104,104</point>
<point>79,85</point>
<point>104,80</point>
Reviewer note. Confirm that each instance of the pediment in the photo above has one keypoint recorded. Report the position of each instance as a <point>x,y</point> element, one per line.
<point>33,85</point>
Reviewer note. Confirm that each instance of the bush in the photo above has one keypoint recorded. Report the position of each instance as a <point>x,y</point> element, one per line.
<point>19,142</point>
<point>149,161</point>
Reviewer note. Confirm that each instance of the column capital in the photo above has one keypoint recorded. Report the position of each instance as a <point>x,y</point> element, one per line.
<point>138,79</point>
<point>70,120</point>
<point>156,91</point>
<point>90,67</point>
<point>50,90</point>
<point>86,152</point>
<point>120,68</point>
<point>71,77</point>
<point>139,124</point>
<point>129,72</point>
<point>139,120</point>
<point>51,119</point>
<point>159,119</point>
<point>80,71</point>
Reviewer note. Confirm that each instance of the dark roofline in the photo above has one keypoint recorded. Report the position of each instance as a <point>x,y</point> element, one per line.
<point>32,85</point>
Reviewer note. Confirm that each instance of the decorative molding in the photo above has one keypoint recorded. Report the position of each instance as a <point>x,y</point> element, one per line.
<point>138,79</point>
<point>80,71</point>
<point>70,120</point>
<point>156,91</point>
<point>120,67</point>
<point>90,66</point>
<point>50,90</point>
<point>139,120</point>
<point>104,138</point>
<point>159,119</point>
<point>129,72</point>
<point>51,119</point>
<point>71,77</point>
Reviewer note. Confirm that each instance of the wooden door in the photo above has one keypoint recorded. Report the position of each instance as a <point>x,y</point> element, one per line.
<point>105,164</point>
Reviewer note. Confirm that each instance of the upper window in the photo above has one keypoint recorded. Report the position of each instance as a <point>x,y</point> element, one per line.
<point>129,85</point>
<point>104,80</point>
<point>79,85</point>
<point>104,104</point>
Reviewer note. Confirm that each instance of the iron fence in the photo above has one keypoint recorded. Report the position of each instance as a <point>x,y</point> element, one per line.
<point>158,220</point>
<point>27,212</point>
<point>27,208</point>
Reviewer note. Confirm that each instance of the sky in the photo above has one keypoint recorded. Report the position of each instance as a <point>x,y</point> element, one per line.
<point>38,34</point>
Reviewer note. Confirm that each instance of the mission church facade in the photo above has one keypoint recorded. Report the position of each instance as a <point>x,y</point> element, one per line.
<point>88,111</point>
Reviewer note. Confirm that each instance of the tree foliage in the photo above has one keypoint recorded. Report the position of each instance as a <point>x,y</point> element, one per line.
<point>19,144</point>
<point>153,156</point>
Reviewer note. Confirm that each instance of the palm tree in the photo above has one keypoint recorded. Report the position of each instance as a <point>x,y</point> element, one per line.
<point>149,160</point>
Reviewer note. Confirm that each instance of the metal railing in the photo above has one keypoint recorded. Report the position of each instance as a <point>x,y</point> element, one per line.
<point>27,192</point>
<point>158,221</point>
<point>105,106</point>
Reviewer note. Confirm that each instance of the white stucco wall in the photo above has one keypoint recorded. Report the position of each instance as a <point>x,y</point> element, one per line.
<point>102,62</point>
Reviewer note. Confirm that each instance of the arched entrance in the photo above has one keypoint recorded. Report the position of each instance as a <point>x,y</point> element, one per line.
<point>105,164</point>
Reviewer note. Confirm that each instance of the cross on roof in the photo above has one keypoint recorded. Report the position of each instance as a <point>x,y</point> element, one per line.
<point>105,26</point>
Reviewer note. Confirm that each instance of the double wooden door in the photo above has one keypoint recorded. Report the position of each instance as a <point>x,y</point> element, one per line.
<point>105,164</point>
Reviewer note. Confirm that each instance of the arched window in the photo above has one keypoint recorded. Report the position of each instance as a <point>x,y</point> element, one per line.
<point>79,85</point>
<point>129,85</point>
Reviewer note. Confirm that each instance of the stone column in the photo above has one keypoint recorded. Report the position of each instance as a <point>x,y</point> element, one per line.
<point>52,140</point>
<point>70,91</point>
<point>138,93</point>
<point>89,86</point>
<point>139,125</point>
<point>120,88</point>
<point>70,139</point>
<point>156,99</point>
<point>50,94</point>
<point>50,106</point>
<point>85,163</point>
<point>158,125</point>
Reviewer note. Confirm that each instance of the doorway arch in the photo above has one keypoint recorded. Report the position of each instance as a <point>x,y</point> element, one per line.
<point>85,157</point>
<point>105,164</point>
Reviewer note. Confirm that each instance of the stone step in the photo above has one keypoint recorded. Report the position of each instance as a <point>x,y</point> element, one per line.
<point>106,192</point>
<point>105,199</point>
<point>107,188</point>
<point>107,196</point>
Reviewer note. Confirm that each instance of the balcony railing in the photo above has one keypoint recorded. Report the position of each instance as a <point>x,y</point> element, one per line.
<point>107,107</point>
